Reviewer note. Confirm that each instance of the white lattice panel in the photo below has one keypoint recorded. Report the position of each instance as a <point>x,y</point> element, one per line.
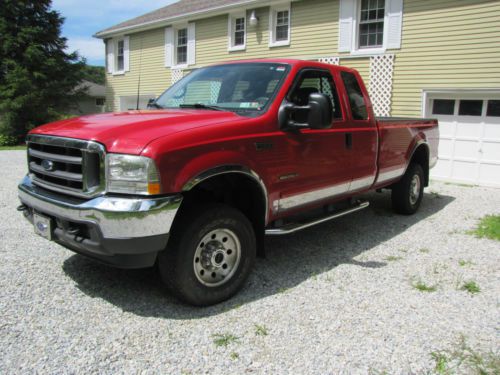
<point>177,74</point>
<point>381,72</point>
<point>329,60</point>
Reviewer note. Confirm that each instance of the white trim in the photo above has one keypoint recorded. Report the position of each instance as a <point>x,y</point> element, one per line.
<point>231,25</point>
<point>272,25</point>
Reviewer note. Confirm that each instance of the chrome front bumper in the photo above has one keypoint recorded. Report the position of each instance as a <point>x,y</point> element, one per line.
<point>113,225</point>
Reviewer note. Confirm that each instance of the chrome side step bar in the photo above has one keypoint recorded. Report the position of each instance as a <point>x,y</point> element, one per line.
<point>295,227</point>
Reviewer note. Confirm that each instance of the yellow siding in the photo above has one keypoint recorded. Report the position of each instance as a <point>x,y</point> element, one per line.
<point>446,44</point>
<point>314,33</point>
<point>155,78</point>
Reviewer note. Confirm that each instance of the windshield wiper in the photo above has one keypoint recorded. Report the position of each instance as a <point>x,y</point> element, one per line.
<point>201,106</point>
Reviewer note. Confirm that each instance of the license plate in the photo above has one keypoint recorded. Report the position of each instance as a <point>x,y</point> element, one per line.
<point>43,226</point>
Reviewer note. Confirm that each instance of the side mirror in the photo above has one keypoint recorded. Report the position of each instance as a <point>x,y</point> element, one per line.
<point>151,103</point>
<point>316,115</point>
<point>320,111</point>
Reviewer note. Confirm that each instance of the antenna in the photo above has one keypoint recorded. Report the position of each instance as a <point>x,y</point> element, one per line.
<point>139,80</point>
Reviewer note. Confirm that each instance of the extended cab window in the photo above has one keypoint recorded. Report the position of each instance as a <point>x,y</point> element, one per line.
<point>356,100</point>
<point>311,81</point>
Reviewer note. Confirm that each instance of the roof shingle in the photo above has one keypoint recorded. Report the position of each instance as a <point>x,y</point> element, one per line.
<point>178,9</point>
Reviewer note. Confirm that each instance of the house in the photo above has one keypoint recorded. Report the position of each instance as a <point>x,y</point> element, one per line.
<point>433,58</point>
<point>94,100</point>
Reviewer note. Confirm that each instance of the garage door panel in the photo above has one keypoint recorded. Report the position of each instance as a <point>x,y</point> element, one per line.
<point>445,148</point>
<point>447,128</point>
<point>491,151</point>
<point>489,174</point>
<point>442,168</point>
<point>464,170</point>
<point>466,149</point>
<point>492,131</point>
<point>468,129</point>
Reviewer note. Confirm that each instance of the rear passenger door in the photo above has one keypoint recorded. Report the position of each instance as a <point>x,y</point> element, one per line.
<point>361,134</point>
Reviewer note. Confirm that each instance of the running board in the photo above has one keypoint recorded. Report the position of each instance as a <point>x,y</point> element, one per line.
<point>295,227</point>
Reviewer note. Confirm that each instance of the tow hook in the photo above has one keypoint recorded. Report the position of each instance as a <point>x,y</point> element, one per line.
<point>21,208</point>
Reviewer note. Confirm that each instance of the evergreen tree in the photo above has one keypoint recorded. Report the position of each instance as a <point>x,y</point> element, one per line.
<point>37,76</point>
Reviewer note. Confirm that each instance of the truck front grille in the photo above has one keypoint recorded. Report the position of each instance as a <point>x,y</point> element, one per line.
<point>66,165</point>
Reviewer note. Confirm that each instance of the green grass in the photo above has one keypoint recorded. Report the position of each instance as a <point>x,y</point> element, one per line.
<point>10,148</point>
<point>393,258</point>
<point>234,356</point>
<point>260,330</point>
<point>423,287</point>
<point>224,339</point>
<point>424,250</point>
<point>471,287</point>
<point>464,263</point>
<point>442,365</point>
<point>489,227</point>
<point>465,360</point>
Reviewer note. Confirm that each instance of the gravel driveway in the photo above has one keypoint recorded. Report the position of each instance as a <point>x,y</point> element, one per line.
<point>337,298</point>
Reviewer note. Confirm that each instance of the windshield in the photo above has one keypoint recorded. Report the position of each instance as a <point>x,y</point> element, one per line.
<point>247,87</point>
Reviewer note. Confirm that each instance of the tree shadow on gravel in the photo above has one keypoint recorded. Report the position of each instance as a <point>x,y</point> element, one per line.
<point>289,261</point>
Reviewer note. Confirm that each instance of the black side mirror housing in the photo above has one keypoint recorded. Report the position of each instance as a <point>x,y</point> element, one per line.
<point>151,102</point>
<point>319,113</point>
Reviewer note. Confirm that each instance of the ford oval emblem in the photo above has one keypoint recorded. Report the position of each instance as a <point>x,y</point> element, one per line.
<point>48,165</point>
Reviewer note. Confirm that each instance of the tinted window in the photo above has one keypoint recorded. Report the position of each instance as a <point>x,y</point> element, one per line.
<point>493,108</point>
<point>356,100</point>
<point>470,107</point>
<point>443,107</point>
<point>316,81</point>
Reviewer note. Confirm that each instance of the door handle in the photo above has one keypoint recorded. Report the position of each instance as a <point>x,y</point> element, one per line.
<point>348,141</point>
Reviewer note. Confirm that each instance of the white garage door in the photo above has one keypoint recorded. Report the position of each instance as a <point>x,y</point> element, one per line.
<point>469,148</point>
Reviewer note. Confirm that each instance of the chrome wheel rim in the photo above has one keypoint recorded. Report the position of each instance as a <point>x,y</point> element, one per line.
<point>217,257</point>
<point>414,189</point>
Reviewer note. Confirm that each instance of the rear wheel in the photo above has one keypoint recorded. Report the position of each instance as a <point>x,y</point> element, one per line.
<point>209,256</point>
<point>407,194</point>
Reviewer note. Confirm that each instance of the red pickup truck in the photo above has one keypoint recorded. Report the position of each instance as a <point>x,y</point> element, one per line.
<point>227,155</point>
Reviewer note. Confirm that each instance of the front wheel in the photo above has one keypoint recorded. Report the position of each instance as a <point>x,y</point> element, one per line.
<point>407,194</point>
<point>209,256</point>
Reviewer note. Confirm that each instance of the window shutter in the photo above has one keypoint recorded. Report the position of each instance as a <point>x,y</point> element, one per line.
<point>169,47</point>
<point>191,59</point>
<point>394,23</point>
<point>271,26</point>
<point>347,10</point>
<point>110,52</point>
<point>126,54</point>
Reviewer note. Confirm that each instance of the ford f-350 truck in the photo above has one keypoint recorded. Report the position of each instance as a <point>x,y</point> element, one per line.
<point>227,155</point>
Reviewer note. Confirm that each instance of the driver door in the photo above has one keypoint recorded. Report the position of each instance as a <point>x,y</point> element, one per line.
<point>318,158</point>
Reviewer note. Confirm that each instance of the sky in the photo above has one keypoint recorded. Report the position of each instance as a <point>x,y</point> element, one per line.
<point>83,18</point>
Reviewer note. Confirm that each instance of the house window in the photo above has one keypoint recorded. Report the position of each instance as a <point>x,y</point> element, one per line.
<point>282,23</point>
<point>371,23</point>
<point>100,101</point>
<point>368,26</point>
<point>237,32</point>
<point>279,22</point>
<point>181,46</point>
<point>120,56</point>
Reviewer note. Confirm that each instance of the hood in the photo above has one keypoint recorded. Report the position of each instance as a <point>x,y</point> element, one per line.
<point>130,132</point>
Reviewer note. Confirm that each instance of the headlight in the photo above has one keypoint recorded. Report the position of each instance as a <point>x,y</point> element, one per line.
<point>130,174</point>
